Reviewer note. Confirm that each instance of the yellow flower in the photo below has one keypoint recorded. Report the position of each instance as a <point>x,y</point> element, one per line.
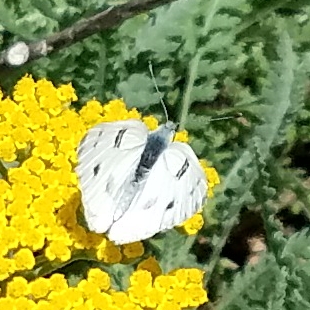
<point>7,267</point>
<point>7,149</point>
<point>24,89</point>
<point>21,223</point>
<point>195,275</point>
<point>154,298</point>
<point>88,288</point>
<point>86,306</point>
<point>9,237</point>
<point>151,122</point>
<point>178,295</point>
<point>164,283</point>
<point>58,282</point>
<point>110,253</point>
<point>61,161</point>
<point>58,249</point>
<point>66,93</point>
<point>212,176</point>
<point>29,105</point>
<point>100,278</point>
<point>34,184</point>
<point>169,305</point>
<point>41,136</point>
<point>39,288</point>
<point>7,303</point>
<point>197,295</point>
<point>17,209</point>
<point>181,136</point>
<point>24,303</point>
<point>17,175</point>
<point>21,136</point>
<point>19,119</point>
<point>8,107</point>
<point>58,300</point>
<point>5,188</point>
<point>17,287</point>
<point>5,128</point>
<point>141,278</point>
<point>91,112</point>
<point>24,259</point>
<point>33,238</point>
<point>181,276</point>
<point>44,305</point>
<point>38,118</point>
<point>34,164</point>
<point>22,192</point>
<point>44,150</point>
<point>139,295</point>
<point>101,301</point>
<point>150,264</point>
<point>120,299</point>
<point>49,178</point>
<point>193,224</point>
<point>133,250</point>
<point>74,296</point>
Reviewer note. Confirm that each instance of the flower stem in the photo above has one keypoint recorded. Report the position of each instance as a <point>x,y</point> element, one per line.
<point>194,68</point>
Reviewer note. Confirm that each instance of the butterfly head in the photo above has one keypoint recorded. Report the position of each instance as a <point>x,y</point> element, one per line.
<point>167,131</point>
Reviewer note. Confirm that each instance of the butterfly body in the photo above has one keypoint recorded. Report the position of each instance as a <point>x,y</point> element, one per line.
<point>157,142</point>
<point>135,183</point>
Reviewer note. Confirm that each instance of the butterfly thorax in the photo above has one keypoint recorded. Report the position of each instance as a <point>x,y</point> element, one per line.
<point>157,141</point>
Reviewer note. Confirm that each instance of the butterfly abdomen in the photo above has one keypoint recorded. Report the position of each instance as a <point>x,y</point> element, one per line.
<point>154,147</point>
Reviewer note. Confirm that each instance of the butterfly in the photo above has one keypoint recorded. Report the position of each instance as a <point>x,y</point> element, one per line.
<point>135,182</point>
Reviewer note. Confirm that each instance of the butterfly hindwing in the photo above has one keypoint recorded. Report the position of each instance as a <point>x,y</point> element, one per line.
<point>173,191</point>
<point>108,157</point>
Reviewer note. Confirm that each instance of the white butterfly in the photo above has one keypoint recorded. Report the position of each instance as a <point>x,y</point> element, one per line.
<point>136,183</point>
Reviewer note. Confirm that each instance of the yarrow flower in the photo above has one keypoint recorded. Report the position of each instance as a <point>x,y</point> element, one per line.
<point>39,210</point>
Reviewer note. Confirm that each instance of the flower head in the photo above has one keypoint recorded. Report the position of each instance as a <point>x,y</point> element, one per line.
<point>39,204</point>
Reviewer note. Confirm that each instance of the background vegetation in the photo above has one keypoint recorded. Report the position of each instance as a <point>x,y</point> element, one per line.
<point>210,58</point>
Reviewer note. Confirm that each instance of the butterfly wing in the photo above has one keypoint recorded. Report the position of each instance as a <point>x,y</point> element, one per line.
<point>173,191</point>
<point>107,158</point>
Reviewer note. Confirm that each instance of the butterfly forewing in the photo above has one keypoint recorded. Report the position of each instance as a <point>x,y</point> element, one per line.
<point>108,157</point>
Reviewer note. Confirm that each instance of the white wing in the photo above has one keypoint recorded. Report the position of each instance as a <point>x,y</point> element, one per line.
<point>174,190</point>
<point>107,158</point>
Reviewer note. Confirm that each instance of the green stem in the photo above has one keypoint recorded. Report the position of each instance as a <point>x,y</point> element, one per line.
<point>3,170</point>
<point>194,68</point>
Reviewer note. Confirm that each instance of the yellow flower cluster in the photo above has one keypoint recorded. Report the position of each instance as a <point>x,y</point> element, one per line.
<point>40,200</point>
<point>180,289</point>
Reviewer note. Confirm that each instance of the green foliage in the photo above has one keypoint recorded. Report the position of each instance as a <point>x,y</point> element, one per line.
<point>210,58</point>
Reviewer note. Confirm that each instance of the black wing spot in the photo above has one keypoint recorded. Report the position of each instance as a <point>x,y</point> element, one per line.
<point>183,169</point>
<point>96,169</point>
<point>99,135</point>
<point>80,150</point>
<point>119,138</point>
<point>170,205</point>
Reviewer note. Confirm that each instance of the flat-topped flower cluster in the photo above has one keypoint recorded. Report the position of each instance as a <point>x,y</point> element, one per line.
<point>39,200</point>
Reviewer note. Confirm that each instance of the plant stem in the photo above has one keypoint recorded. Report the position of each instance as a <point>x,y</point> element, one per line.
<point>194,68</point>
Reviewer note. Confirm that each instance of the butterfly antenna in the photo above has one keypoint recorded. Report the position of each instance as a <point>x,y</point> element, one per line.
<point>157,90</point>
<point>226,117</point>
